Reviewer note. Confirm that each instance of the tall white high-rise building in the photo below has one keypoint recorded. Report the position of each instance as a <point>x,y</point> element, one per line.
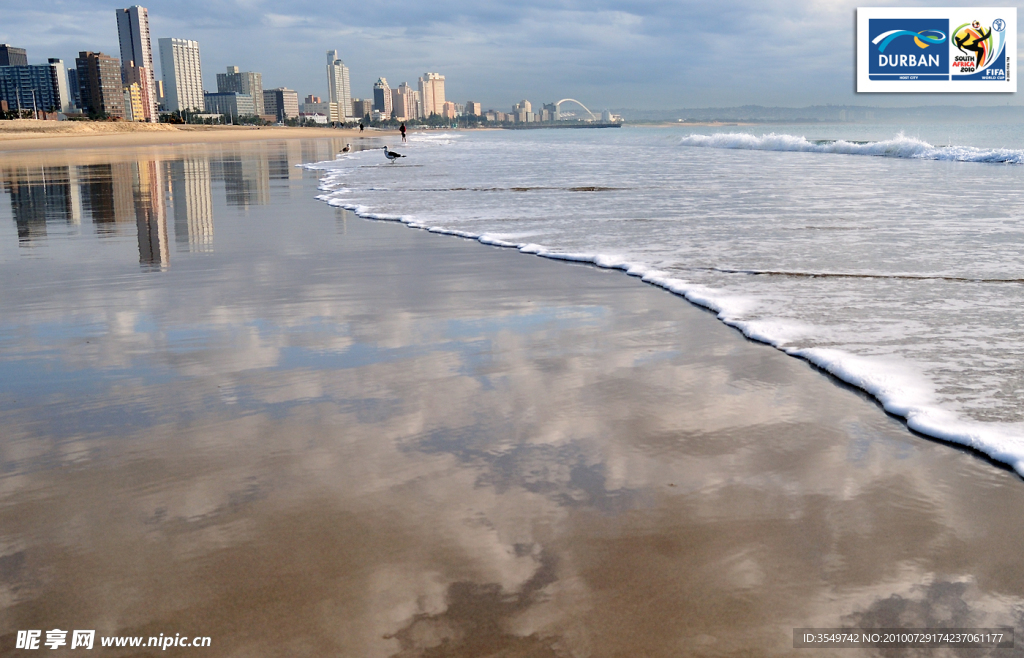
<point>338,89</point>
<point>137,55</point>
<point>432,91</point>
<point>183,75</point>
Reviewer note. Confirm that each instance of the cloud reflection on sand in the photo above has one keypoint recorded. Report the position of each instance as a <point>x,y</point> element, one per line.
<point>361,450</point>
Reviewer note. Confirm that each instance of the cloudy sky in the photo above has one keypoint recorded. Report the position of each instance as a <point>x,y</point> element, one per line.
<point>649,54</point>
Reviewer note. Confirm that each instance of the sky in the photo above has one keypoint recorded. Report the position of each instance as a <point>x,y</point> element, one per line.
<point>644,54</point>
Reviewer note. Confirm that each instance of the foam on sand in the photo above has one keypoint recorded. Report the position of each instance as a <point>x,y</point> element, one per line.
<point>658,236</point>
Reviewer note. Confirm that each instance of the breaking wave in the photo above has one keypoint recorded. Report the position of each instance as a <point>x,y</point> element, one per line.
<point>900,146</point>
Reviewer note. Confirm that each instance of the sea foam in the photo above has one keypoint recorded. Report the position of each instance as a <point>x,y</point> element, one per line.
<point>900,146</point>
<point>923,315</point>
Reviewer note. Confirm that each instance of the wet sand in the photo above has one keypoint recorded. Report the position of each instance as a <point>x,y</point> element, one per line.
<point>231,411</point>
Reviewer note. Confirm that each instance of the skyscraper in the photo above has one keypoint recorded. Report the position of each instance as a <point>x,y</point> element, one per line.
<point>403,100</point>
<point>73,90</point>
<point>231,103</point>
<point>361,108</point>
<point>99,81</point>
<point>141,77</point>
<point>136,54</point>
<point>523,111</point>
<point>382,97</point>
<point>338,89</point>
<point>282,103</point>
<point>432,90</point>
<point>133,110</point>
<point>242,82</point>
<point>11,56</point>
<point>183,75</point>
<point>42,87</point>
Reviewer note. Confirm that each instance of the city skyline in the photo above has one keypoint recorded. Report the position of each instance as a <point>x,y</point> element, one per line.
<point>181,86</point>
<point>610,54</point>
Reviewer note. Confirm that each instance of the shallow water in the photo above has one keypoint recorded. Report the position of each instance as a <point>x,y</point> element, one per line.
<point>896,265</point>
<point>229,410</point>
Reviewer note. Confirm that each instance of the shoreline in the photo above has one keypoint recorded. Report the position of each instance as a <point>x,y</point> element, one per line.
<point>962,439</point>
<point>933,423</point>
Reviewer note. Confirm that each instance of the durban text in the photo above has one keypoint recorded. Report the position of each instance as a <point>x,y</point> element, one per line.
<point>908,60</point>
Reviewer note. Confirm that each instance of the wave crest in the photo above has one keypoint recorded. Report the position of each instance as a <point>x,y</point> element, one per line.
<point>900,146</point>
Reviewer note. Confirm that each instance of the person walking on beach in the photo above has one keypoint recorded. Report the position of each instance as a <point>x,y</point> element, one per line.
<point>401,129</point>
<point>360,126</point>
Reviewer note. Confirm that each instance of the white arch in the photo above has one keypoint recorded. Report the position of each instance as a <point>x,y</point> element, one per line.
<point>592,115</point>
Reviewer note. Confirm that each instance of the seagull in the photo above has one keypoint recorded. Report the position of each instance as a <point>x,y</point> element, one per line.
<point>391,155</point>
<point>348,147</point>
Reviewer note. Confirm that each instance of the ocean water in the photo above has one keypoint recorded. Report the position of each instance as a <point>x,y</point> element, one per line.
<point>890,256</point>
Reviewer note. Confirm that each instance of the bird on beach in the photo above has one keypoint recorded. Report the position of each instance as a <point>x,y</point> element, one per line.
<point>391,155</point>
<point>348,147</point>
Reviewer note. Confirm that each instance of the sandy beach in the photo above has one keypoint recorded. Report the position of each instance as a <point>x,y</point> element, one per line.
<point>232,411</point>
<point>26,134</point>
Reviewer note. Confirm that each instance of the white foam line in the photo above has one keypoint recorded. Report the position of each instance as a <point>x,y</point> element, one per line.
<point>898,391</point>
<point>898,147</point>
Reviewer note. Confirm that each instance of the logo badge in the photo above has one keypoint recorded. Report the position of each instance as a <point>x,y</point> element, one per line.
<point>980,52</point>
<point>904,49</point>
<point>936,49</point>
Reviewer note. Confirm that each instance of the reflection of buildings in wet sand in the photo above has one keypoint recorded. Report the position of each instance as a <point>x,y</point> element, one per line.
<point>150,217</point>
<point>283,161</point>
<point>320,150</point>
<point>118,193</point>
<point>74,195</point>
<point>107,195</point>
<point>192,200</point>
<point>246,178</point>
<point>40,195</point>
